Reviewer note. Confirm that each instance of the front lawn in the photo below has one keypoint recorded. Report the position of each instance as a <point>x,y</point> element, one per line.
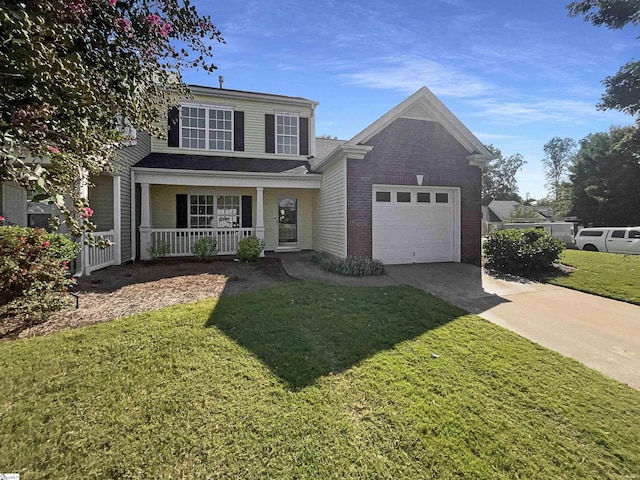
<point>607,274</point>
<point>307,380</point>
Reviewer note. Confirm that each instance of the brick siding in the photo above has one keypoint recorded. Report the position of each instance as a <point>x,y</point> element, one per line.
<point>404,149</point>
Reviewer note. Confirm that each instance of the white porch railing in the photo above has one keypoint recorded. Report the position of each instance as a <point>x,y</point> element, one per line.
<point>179,241</point>
<point>97,258</point>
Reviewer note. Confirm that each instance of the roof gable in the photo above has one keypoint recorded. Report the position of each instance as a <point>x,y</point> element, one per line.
<point>424,105</point>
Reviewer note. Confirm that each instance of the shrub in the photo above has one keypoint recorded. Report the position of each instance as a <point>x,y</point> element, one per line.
<point>249,248</point>
<point>159,249</point>
<point>206,248</point>
<point>63,248</point>
<point>350,266</point>
<point>521,252</point>
<point>33,275</point>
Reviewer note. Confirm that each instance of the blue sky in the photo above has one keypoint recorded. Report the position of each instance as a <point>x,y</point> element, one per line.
<point>515,73</point>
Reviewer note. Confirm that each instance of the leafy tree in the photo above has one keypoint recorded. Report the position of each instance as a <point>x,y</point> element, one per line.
<point>558,157</point>
<point>563,204</point>
<point>605,178</point>
<point>71,70</point>
<point>499,176</point>
<point>622,90</point>
<point>525,213</point>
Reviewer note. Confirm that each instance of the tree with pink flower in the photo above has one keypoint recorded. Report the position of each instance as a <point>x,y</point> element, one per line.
<point>69,69</point>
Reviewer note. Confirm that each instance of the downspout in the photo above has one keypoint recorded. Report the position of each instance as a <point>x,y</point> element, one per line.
<point>132,195</point>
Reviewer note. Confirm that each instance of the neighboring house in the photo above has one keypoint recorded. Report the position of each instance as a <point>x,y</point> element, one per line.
<point>509,214</point>
<point>406,189</point>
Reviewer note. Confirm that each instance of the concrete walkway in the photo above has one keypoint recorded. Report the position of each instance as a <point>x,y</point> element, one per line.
<point>602,334</point>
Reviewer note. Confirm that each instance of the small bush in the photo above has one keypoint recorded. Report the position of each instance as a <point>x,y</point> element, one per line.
<point>249,248</point>
<point>159,249</point>
<point>63,248</point>
<point>350,266</point>
<point>206,248</point>
<point>521,252</point>
<point>33,275</point>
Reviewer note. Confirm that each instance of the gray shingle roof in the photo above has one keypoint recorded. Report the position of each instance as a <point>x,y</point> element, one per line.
<point>324,147</point>
<point>223,164</point>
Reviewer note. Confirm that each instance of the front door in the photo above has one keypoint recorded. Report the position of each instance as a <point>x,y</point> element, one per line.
<point>287,222</point>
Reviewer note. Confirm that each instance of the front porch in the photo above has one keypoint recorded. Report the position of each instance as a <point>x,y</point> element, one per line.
<point>177,208</point>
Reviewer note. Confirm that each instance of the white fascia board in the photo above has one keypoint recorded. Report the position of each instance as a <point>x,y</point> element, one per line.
<point>192,178</point>
<point>352,152</point>
<point>440,113</point>
<point>269,98</point>
<point>479,159</point>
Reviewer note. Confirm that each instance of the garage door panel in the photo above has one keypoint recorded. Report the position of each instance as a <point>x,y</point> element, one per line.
<point>413,232</point>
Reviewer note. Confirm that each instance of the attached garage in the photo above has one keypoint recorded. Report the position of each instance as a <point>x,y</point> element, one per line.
<point>415,224</point>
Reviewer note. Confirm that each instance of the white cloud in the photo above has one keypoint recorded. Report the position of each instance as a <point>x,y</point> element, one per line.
<point>535,110</point>
<point>407,74</point>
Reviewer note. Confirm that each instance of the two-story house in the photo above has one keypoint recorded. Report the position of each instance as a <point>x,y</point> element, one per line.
<point>406,189</point>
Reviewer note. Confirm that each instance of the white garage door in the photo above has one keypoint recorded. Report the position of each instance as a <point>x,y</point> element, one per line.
<point>415,224</point>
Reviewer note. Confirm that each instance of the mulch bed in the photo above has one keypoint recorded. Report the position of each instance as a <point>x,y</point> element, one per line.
<point>124,290</point>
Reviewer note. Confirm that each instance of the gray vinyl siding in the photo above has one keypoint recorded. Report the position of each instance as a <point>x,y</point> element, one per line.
<point>101,201</point>
<point>13,204</point>
<point>254,125</point>
<point>129,156</point>
<point>330,230</point>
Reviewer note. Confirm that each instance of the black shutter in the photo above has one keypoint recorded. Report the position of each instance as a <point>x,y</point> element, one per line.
<point>304,136</point>
<point>238,131</point>
<point>247,214</point>
<point>182,211</point>
<point>270,133</point>
<point>174,127</point>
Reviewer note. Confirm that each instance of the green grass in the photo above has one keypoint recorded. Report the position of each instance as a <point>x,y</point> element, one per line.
<point>607,274</point>
<point>309,381</point>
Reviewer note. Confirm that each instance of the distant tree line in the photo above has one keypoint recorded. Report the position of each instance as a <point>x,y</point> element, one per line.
<point>596,180</point>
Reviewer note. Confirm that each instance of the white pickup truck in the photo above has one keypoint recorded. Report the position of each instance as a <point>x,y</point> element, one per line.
<point>610,239</point>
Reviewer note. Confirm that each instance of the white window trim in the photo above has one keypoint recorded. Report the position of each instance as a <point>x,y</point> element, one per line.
<point>297,136</point>
<point>215,208</point>
<point>207,107</point>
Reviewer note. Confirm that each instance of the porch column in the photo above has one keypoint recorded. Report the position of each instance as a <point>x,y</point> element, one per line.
<point>117,219</point>
<point>83,189</point>
<point>260,215</point>
<point>145,221</point>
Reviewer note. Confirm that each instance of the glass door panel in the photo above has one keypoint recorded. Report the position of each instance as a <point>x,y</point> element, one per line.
<point>287,221</point>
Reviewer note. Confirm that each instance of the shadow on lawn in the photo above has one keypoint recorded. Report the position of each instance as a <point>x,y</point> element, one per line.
<point>305,330</point>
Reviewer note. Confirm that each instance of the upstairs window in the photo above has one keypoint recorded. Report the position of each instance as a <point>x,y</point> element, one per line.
<point>287,134</point>
<point>206,128</point>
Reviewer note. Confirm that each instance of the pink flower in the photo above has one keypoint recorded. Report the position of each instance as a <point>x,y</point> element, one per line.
<point>79,7</point>
<point>45,245</point>
<point>113,2</point>
<point>53,149</point>
<point>86,212</point>
<point>1,218</point>
<point>166,29</point>
<point>154,19</point>
<point>123,25</point>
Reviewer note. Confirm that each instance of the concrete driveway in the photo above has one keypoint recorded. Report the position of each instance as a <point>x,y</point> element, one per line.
<point>602,334</point>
